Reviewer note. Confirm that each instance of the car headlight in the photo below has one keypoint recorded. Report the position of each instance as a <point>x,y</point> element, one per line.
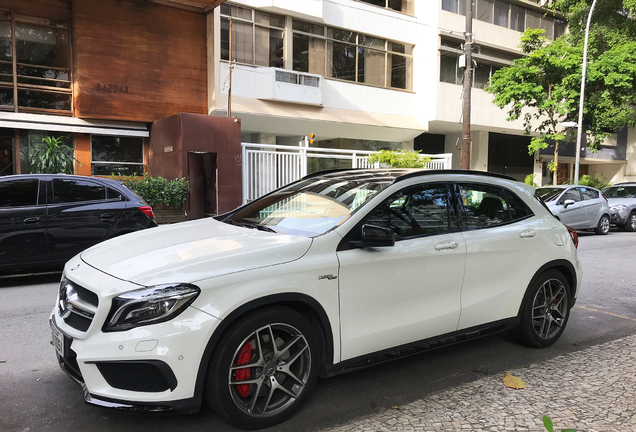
<point>618,208</point>
<point>150,305</point>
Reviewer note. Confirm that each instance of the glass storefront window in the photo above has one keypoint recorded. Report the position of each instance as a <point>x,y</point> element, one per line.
<point>30,138</point>
<point>116,155</point>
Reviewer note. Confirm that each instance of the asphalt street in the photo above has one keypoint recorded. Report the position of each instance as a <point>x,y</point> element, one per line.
<point>35,395</point>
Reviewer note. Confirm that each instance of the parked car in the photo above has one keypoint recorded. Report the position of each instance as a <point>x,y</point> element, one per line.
<point>46,219</point>
<point>622,201</point>
<point>580,207</point>
<point>334,272</point>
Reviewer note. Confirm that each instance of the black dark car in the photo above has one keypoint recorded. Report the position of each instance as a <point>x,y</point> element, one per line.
<point>46,219</point>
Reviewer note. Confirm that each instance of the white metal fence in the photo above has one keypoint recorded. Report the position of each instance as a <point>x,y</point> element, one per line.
<point>267,167</point>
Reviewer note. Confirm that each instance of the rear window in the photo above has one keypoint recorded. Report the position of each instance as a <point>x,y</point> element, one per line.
<point>68,191</point>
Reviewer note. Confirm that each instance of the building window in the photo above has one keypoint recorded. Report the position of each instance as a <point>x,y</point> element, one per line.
<point>485,58</point>
<point>405,6</point>
<point>117,155</point>
<point>42,61</point>
<point>257,37</point>
<point>504,14</point>
<point>28,139</point>
<point>351,56</point>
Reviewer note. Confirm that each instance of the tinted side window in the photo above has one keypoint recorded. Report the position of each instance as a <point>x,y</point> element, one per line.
<point>571,194</point>
<point>483,205</point>
<point>589,194</point>
<point>416,211</point>
<point>518,209</point>
<point>112,194</point>
<point>67,191</point>
<point>19,193</point>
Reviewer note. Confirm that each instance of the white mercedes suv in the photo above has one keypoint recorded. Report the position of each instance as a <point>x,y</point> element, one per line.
<point>336,271</point>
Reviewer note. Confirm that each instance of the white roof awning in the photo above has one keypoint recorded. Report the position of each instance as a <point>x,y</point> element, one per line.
<point>72,124</point>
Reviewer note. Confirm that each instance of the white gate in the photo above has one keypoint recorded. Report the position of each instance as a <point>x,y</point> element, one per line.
<point>266,167</point>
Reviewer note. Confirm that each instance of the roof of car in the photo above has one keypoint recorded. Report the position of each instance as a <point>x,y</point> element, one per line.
<point>624,184</point>
<point>396,174</point>
<point>106,180</point>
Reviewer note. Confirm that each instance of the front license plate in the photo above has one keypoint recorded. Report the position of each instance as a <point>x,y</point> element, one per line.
<point>57,338</point>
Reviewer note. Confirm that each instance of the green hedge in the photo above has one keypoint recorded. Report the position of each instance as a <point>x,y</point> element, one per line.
<point>158,192</point>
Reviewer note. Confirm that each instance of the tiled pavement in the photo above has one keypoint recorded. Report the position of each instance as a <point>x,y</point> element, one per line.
<point>593,390</point>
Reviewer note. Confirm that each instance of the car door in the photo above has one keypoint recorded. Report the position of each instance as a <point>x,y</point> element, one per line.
<point>22,222</point>
<point>79,215</point>
<point>391,296</point>
<point>497,243</point>
<point>592,206</point>
<point>574,214</point>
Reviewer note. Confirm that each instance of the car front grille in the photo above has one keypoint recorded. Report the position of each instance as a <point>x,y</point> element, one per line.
<point>76,305</point>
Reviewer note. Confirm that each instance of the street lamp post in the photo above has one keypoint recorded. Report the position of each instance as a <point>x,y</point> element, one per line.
<point>579,131</point>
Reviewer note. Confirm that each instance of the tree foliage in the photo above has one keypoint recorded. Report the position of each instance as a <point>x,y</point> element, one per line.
<point>400,159</point>
<point>543,87</point>
<point>51,156</point>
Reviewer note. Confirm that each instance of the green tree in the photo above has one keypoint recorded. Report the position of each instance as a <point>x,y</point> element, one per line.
<point>537,88</point>
<point>544,86</point>
<point>51,156</point>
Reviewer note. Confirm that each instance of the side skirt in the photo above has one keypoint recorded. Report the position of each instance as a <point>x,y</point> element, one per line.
<point>419,347</point>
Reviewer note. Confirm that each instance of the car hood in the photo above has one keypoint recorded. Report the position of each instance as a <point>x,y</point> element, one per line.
<point>191,251</point>
<point>621,201</point>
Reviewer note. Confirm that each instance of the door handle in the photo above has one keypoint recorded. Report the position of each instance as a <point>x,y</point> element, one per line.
<point>528,234</point>
<point>106,216</point>
<point>445,245</point>
<point>31,220</point>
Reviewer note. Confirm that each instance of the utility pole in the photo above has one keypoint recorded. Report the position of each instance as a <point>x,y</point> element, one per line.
<point>229,91</point>
<point>464,160</point>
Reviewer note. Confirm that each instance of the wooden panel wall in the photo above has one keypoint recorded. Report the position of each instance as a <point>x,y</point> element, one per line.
<point>54,9</point>
<point>83,154</point>
<point>138,61</point>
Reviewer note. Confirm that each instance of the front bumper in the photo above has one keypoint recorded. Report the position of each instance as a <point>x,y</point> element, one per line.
<point>144,369</point>
<point>619,217</point>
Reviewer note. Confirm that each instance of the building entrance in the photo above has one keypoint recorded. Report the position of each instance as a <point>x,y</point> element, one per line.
<point>7,139</point>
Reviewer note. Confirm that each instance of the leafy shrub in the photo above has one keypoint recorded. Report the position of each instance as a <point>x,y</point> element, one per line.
<point>158,192</point>
<point>400,159</point>
<point>51,156</point>
<point>529,180</point>
<point>598,181</point>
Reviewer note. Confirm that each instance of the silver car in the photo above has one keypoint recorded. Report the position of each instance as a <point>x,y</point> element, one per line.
<point>580,207</point>
<point>622,201</point>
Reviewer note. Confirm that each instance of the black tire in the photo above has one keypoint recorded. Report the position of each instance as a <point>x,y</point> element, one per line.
<point>603,226</point>
<point>548,297</point>
<point>274,377</point>
<point>631,222</point>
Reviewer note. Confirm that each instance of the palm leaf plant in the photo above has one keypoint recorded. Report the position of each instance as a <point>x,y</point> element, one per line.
<point>51,156</point>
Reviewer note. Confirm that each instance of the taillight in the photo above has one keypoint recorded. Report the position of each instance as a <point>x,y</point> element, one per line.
<point>574,235</point>
<point>147,210</point>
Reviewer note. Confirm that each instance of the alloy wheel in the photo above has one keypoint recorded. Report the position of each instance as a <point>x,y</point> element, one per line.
<point>269,370</point>
<point>549,309</point>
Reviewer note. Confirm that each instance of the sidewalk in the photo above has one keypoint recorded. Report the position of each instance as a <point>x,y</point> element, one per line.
<point>593,390</point>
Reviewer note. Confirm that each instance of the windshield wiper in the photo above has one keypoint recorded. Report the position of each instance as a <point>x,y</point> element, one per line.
<point>250,225</point>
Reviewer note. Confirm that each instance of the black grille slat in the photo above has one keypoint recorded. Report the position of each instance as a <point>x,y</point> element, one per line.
<point>142,376</point>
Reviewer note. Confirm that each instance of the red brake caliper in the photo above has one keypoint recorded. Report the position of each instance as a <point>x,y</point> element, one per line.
<point>244,356</point>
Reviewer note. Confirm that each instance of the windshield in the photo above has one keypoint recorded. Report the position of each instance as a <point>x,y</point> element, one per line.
<point>549,194</point>
<point>308,208</point>
<point>620,192</point>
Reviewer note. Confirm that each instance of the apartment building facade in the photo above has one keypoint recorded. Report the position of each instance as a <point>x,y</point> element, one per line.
<point>359,74</point>
<point>384,74</point>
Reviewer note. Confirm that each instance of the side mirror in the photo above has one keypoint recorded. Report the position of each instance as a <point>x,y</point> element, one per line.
<point>375,236</point>
<point>567,203</point>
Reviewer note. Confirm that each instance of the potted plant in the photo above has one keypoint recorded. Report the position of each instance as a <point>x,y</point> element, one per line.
<point>51,156</point>
<point>166,197</point>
